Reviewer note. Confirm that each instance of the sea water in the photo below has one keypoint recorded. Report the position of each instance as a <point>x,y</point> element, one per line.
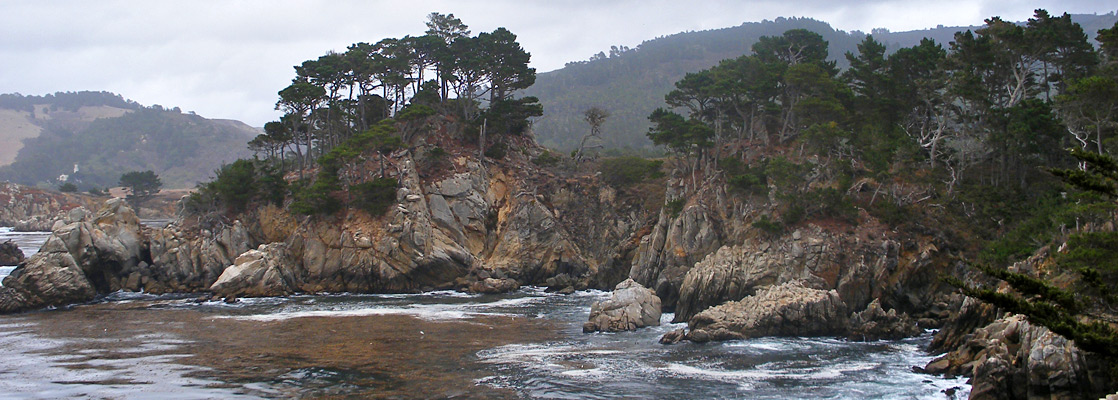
<point>526,344</point>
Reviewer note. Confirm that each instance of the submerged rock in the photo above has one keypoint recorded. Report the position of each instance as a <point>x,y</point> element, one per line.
<point>10,254</point>
<point>494,285</point>
<point>630,306</point>
<point>789,309</point>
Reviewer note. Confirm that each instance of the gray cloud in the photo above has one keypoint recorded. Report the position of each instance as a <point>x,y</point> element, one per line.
<point>227,59</point>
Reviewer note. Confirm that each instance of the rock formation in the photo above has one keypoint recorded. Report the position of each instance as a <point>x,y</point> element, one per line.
<point>789,309</point>
<point>630,306</point>
<point>86,254</point>
<point>1013,359</point>
<point>874,323</point>
<point>10,254</point>
<point>265,271</point>
<point>28,209</point>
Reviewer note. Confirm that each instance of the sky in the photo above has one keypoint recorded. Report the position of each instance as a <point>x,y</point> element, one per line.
<point>228,58</point>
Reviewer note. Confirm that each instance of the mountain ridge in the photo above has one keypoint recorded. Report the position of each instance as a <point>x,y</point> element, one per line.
<point>90,138</point>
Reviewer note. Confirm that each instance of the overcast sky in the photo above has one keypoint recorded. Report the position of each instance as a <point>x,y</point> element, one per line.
<point>228,58</point>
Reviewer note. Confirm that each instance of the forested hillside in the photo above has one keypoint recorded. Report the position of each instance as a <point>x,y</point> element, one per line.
<point>94,137</point>
<point>630,83</point>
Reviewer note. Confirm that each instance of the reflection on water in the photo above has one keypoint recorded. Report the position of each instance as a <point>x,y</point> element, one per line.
<point>441,344</point>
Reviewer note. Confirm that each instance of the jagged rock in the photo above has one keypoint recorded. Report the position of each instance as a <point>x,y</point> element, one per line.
<point>874,323</point>
<point>86,254</point>
<point>47,279</point>
<point>789,309</point>
<point>265,271</point>
<point>494,285</point>
<point>673,247</point>
<point>1014,359</point>
<point>10,254</point>
<point>630,306</point>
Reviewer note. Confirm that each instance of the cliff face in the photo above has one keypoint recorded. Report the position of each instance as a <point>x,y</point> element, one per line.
<point>710,254</point>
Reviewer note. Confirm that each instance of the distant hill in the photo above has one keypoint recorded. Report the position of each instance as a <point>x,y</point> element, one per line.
<point>94,137</point>
<point>630,84</point>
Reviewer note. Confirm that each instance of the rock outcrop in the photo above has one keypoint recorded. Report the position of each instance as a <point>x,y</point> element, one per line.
<point>1014,359</point>
<point>265,271</point>
<point>874,323</point>
<point>86,254</point>
<point>26,208</point>
<point>10,254</point>
<point>789,309</point>
<point>629,307</point>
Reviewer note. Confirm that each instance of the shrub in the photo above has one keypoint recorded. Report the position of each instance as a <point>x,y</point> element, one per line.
<point>625,171</point>
<point>414,111</point>
<point>767,225</point>
<point>546,159</point>
<point>497,151</point>
<point>675,207</point>
<point>68,188</point>
<point>374,196</point>
<point>436,154</point>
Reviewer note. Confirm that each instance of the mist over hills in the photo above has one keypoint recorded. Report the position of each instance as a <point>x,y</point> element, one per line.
<point>94,137</point>
<point>631,83</point>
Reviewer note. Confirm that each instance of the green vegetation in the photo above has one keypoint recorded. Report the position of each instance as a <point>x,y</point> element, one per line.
<point>180,148</point>
<point>674,207</point>
<point>767,225</point>
<point>235,186</point>
<point>546,159</point>
<point>631,83</point>
<point>374,196</point>
<point>68,188</point>
<point>627,171</point>
<point>342,96</point>
<point>141,186</point>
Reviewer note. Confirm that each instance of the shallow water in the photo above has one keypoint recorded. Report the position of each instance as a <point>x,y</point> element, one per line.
<point>527,344</point>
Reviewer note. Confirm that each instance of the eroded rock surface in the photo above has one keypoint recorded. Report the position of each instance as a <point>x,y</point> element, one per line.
<point>265,271</point>
<point>789,309</point>
<point>874,323</point>
<point>1014,359</point>
<point>10,254</point>
<point>86,254</point>
<point>629,307</point>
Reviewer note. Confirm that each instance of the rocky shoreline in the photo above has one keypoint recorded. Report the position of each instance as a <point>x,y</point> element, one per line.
<point>493,227</point>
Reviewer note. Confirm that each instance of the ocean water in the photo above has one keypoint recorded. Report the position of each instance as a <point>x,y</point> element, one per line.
<point>28,242</point>
<point>527,344</point>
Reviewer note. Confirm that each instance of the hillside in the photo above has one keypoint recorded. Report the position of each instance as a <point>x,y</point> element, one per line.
<point>630,84</point>
<point>93,137</point>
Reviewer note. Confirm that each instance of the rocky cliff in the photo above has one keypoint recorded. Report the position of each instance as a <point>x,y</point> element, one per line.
<point>461,225</point>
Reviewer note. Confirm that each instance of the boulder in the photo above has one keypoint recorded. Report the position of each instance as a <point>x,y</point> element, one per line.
<point>494,285</point>
<point>630,306</point>
<point>10,254</point>
<point>789,309</point>
<point>265,271</point>
<point>874,323</point>
<point>46,279</point>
